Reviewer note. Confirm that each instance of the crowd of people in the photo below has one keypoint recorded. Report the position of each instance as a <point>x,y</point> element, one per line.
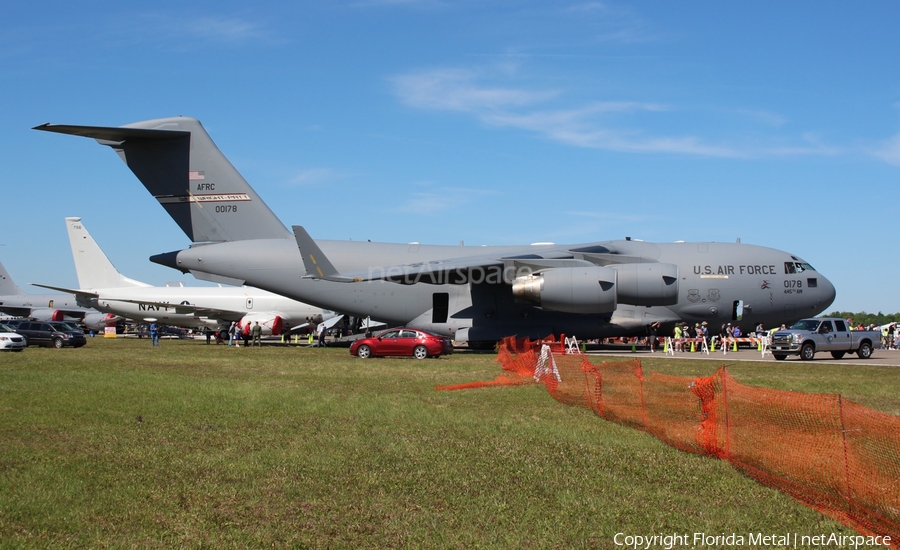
<point>236,334</point>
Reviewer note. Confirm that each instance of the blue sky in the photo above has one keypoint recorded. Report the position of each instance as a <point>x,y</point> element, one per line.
<point>488,122</point>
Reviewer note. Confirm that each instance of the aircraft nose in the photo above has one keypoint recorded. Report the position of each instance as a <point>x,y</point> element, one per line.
<point>827,293</point>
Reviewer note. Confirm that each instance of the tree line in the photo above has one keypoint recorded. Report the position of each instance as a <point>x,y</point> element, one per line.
<point>866,319</point>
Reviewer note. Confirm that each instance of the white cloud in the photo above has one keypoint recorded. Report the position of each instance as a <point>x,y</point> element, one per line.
<point>186,32</point>
<point>602,125</point>
<point>460,90</point>
<point>314,175</point>
<point>440,199</point>
<point>456,90</point>
<point>889,151</point>
<point>400,3</point>
<point>224,29</point>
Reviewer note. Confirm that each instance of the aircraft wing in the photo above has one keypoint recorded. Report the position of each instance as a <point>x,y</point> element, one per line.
<point>459,270</point>
<point>77,292</point>
<point>16,311</point>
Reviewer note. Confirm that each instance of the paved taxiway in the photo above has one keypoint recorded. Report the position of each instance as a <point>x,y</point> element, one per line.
<point>879,357</point>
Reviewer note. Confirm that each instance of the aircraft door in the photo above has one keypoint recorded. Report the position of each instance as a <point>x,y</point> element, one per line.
<point>737,312</point>
<point>440,307</point>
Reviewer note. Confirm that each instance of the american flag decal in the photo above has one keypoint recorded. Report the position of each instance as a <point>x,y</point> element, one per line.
<point>196,176</point>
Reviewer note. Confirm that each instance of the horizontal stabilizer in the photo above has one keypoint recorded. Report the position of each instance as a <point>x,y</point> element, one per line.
<point>115,134</point>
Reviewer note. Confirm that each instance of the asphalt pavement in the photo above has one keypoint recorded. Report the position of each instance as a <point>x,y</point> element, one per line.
<point>879,357</point>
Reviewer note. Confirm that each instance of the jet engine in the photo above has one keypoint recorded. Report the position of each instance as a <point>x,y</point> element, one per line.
<point>589,289</point>
<point>649,284</point>
<point>271,323</point>
<point>598,289</point>
<point>99,321</point>
<point>47,314</point>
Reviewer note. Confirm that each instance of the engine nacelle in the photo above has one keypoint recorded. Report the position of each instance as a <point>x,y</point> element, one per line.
<point>271,323</point>
<point>589,289</point>
<point>47,314</point>
<point>650,284</point>
<point>99,321</point>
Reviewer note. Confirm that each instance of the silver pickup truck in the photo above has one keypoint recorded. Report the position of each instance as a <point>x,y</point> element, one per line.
<point>807,336</point>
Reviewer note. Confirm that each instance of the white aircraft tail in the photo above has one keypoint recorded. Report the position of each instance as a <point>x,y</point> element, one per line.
<point>7,286</point>
<point>181,166</point>
<point>93,268</point>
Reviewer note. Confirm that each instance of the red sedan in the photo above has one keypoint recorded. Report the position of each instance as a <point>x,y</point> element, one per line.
<point>402,342</point>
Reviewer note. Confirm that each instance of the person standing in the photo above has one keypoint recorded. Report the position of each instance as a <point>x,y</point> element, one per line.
<point>652,331</point>
<point>320,332</point>
<point>232,333</point>
<point>245,333</point>
<point>256,333</point>
<point>154,334</point>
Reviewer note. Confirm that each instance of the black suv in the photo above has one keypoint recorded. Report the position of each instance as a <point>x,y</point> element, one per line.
<point>52,333</point>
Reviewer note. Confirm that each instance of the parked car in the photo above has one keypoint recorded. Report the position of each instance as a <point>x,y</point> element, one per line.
<point>10,340</point>
<point>58,334</point>
<point>402,342</point>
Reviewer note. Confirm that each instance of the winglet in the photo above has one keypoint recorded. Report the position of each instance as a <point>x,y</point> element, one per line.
<point>315,261</point>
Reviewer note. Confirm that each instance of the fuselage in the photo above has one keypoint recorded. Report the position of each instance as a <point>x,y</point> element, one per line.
<point>201,306</point>
<point>717,283</point>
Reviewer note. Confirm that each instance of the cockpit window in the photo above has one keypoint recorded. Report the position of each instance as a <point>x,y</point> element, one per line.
<point>791,268</point>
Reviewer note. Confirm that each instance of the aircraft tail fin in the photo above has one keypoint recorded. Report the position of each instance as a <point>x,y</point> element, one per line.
<point>7,286</point>
<point>317,265</point>
<point>93,268</point>
<point>182,168</point>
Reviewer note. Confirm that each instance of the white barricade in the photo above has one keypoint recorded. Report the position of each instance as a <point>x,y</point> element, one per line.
<point>670,344</point>
<point>546,365</point>
<point>762,344</point>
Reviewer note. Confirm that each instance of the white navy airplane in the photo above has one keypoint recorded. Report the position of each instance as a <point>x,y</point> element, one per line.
<point>472,293</point>
<point>102,287</point>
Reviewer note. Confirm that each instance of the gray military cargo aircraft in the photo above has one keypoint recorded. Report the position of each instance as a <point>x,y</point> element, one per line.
<point>475,294</point>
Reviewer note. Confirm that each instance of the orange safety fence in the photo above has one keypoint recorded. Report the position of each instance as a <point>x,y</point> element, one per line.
<point>518,360</point>
<point>829,453</point>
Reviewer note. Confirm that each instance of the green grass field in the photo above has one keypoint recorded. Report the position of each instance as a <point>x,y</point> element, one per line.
<point>122,445</point>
